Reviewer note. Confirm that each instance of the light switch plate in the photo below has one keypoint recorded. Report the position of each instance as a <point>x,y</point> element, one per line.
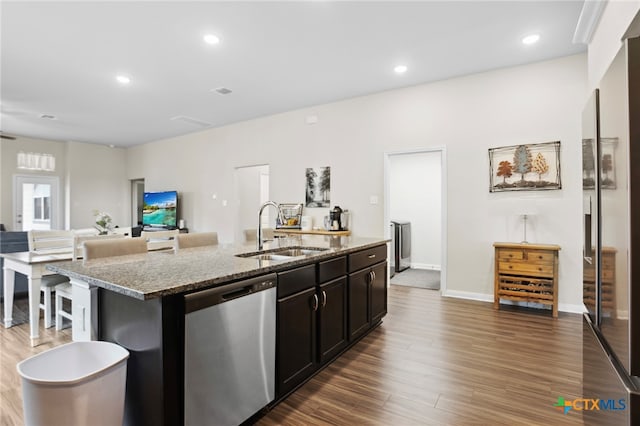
<point>373,199</point>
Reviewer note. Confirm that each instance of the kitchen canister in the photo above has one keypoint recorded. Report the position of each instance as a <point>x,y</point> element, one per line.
<point>306,223</point>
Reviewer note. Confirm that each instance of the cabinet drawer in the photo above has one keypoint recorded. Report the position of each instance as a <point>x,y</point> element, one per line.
<point>368,257</point>
<point>516,268</point>
<point>295,280</point>
<point>333,268</point>
<point>540,256</point>
<point>507,254</point>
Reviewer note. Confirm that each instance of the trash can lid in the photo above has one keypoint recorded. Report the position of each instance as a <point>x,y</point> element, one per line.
<point>71,363</point>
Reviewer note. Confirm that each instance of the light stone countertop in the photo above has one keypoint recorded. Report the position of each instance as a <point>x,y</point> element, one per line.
<point>162,273</point>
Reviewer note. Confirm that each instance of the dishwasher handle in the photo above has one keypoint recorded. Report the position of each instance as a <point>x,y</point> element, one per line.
<point>225,293</point>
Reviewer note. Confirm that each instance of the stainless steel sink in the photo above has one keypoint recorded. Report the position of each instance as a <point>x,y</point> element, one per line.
<point>295,252</point>
<point>282,254</point>
<point>273,257</point>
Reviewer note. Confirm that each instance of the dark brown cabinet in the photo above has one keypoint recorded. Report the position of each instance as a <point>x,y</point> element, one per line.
<point>323,308</point>
<point>296,327</point>
<point>367,289</point>
<point>296,339</point>
<point>332,313</point>
<point>378,292</point>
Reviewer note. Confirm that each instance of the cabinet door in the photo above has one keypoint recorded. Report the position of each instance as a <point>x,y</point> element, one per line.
<point>332,318</point>
<point>296,339</point>
<point>379,292</point>
<point>359,302</point>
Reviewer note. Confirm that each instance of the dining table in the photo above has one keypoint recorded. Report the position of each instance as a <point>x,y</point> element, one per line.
<point>33,266</point>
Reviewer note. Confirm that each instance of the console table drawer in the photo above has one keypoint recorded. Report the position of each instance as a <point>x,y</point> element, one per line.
<point>541,257</point>
<point>526,268</point>
<point>508,254</point>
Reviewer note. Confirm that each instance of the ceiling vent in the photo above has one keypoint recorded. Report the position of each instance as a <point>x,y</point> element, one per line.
<point>48,117</point>
<point>223,90</point>
<point>191,120</point>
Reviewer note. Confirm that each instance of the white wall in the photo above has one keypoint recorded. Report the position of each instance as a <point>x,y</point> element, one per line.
<point>97,180</point>
<point>415,196</point>
<point>527,104</point>
<point>91,177</point>
<point>9,168</point>
<point>606,40</point>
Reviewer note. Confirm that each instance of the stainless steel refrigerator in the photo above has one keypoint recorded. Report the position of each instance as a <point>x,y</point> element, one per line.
<point>611,245</point>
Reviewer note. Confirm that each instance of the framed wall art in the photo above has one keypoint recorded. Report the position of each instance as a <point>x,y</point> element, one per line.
<point>530,167</point>
<point>318,187</point>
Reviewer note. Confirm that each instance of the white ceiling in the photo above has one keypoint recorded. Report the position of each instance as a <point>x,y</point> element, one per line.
<point>61,58</point>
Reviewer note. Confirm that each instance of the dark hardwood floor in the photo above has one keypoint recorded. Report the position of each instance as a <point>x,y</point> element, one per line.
<point>433,361</point>
<point>442,361</point>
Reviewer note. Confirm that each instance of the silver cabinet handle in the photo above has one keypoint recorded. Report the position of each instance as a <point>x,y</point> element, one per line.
<point>374,275</point>
<point>372,256</point>
<point>315,302</point>
<point>324,298</point>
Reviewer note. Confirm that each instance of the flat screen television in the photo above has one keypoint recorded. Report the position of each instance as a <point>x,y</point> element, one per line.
<point>160,209</point>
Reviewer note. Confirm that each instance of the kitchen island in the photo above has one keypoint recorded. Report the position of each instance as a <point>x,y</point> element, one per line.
<point>327,299</point>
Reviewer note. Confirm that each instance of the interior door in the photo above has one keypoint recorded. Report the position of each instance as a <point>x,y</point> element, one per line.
<point>36,203</point>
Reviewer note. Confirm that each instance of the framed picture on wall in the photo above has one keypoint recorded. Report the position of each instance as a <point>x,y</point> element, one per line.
<point>531,167</point>
<point>318,187</point>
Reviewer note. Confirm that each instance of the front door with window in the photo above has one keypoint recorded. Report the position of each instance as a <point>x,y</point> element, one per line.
<point>35,203</point>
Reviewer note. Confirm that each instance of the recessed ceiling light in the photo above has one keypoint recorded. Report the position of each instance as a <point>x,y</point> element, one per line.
<point>531,39</point>
<point>123,79</point>
<point>222,90</point>
<point>400,69</point>
<point>211,39</point>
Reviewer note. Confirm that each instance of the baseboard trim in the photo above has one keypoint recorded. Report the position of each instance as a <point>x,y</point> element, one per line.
<point>482,297</point>
<point>468,295</point>
<point>427,266</point>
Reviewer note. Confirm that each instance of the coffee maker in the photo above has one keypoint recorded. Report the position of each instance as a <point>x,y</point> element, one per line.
<point>335,218</point>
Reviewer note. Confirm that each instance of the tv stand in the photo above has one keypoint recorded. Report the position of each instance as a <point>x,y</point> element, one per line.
<point>164,228</point>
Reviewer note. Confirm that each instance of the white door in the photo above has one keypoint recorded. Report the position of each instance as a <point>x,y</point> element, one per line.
<point>36,203</point>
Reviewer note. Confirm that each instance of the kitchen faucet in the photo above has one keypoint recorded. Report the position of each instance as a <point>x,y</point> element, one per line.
<point>280,217</point>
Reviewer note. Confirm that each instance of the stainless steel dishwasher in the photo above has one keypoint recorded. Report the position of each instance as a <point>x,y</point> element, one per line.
<point>230,351</point>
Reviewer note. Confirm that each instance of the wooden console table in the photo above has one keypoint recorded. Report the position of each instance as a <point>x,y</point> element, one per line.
<point>312,232</point>
<point>526,273</point>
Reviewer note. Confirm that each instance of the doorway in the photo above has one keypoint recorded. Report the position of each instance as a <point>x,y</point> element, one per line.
<point>252,190</point>
<point>137,200</point>
<point>415,203</point>
<point>36,202</point>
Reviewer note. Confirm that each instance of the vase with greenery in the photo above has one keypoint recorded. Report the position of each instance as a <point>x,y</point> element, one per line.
<point>104,223</point>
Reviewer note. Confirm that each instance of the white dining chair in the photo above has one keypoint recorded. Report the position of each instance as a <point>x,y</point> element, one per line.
<point>97,249</point>
<point>64,290</point>
<point>160,240</point>
<point>50,242</point>
<point>197,239</point>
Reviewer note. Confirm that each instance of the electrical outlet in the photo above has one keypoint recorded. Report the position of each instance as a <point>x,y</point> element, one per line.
<point>373,199</point>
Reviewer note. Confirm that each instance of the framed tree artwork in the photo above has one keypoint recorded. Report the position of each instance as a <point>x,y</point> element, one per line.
<point>530,167</point>
<point>318,187</point>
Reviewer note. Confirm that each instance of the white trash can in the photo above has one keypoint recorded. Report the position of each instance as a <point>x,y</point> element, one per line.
<point>80,383</point>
